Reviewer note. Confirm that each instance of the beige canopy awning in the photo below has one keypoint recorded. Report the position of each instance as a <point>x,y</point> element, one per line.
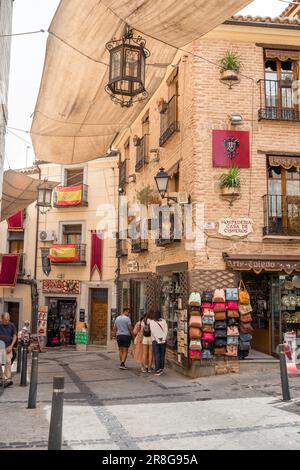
<point>74,119</point>
<point>18,192</point>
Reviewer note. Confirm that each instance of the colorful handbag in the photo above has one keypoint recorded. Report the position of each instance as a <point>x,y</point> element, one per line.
<point>195,355</point>
<point>232,340</point>
<point>232,322</point>
<point>195,333</point>
<point>208,312</point>
<point>219,295</point>
<point>244,296</point>
<point>195,345</point>
<point>220,351</point>
<point>246,328</point>
<point>245,346</point>
<point>243,309</point>
<point>195,321</point>
<point>208,337</point>
<point>232,294</point>
<point>219,307</point>
<point>206,354</point>
<point>221,342</point>
<point>219,316</point>
<point>245,337</point>
<point>220,325</point>
<point>232,331</point>
<point>231,305</point>
<point>232,350</point>
<point>195,299</point>
<point>207,320</point>
<point>246,318</point>
<point>207,296</point>
<point>233,314</point>
<point>208,328</point>
<point>221,334</point>
<point>206,305</point>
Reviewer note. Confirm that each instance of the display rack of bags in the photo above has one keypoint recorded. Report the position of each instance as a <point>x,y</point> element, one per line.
<point>195,327</point>
<point>245,310</point>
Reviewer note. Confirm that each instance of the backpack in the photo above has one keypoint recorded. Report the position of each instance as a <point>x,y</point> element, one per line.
<point>147,331</point>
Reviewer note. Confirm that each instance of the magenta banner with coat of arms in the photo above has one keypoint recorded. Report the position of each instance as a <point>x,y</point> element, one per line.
<point>231,148</point>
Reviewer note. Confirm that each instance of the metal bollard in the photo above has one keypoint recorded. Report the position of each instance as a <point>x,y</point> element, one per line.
<point>33,380</point>
<point>55,430</point>
<point>23,382</point>
<point>19,358</point>
<point>284,375</point>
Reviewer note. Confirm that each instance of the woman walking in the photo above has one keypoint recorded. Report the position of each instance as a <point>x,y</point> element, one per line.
<point>147,344</point>
<point>138,342</point>
<point>159,333</point>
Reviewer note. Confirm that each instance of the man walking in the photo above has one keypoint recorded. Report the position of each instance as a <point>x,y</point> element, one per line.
<point>8,335</point>
<point>123,331</point>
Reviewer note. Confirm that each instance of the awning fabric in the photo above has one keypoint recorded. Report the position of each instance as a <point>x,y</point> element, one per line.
<point>282,54</point>
<point>9,270</point>
<point>261,263</point>
<point>285,162</point>
<point>15,222</point>
<point>74,119</point>
<point>18,192</point>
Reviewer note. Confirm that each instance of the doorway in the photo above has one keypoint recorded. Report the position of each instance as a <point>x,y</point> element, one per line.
<point>13,308</point>
<point>99,312</point>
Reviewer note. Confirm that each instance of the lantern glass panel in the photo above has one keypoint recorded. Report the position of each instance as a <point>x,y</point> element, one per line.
<point>41,196</point>
<point>48,195</point>
<point>132,60</point>
<point>116,59</point>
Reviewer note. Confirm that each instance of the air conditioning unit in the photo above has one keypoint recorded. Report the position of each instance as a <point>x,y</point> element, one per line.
<point>47,236</point>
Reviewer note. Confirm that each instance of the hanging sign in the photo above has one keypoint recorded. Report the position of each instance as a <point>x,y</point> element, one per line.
<point>236,227</point>
<point>42,321</point>
<point>133,266</point>
<point>231,148</point>
<point>46,263</point>
<point>55,286</point>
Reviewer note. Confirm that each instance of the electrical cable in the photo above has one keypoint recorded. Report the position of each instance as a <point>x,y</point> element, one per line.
<point>22,34</point>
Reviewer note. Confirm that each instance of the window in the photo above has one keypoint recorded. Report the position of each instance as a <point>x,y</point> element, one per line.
<point>123,169</point>
<point>74,176</point>
<point>16,246</point>
<point>142,148</point>
<point>169,117</point>
<point>174,183</point>
<point>72,234</point>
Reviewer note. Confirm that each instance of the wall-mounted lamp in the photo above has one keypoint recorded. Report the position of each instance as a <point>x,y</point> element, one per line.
<point>236,119</point>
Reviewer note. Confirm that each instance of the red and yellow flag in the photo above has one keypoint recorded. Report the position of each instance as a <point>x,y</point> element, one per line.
<point>64,253</point>
<point>69,196</point>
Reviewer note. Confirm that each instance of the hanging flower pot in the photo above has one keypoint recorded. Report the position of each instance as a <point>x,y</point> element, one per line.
<point>162,106</point>
<point>230,75</point>
<point>230,66</point>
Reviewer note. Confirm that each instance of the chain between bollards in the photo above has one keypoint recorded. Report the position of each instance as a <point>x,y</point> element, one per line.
<point>55,431</point>
<point>33,380</point>
<point>23,382</point>
<point>284,374</point>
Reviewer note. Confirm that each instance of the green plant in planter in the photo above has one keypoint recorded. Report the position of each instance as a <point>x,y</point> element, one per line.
<point>231,180</point>
<point>147,196</point>
<point>231,61</point>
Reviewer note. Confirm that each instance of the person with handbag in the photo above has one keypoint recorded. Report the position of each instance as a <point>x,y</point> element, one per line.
<point>147,344</point>
<point>138,342</point>
<point>159,333</point>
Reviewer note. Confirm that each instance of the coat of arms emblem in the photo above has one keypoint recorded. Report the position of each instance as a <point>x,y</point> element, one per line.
<point>231,147</point>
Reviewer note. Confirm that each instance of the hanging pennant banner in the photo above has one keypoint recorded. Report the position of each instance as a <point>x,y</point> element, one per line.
<point>96,252</point>
<point>46,264</point>
<point>9,270</point>
<point>15,222</point>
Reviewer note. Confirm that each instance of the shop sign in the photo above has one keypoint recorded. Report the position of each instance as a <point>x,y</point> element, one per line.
<point>42,321</point>
<point>259,266</point>
<point>133,266</point>
<point>56,286</point>
<point>236,227</point>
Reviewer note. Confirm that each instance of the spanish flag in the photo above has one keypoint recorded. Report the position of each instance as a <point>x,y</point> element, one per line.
<point>64,253</point>
<point>69,196</point>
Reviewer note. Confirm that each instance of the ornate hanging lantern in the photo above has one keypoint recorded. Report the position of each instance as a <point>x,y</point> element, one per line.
<point>127,69</point>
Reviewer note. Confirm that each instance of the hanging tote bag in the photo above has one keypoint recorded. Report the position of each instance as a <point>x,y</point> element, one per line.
<point>195,333</point>
<point>195,345</point>
<point>207,355</point>
<point>233,321</point>
<point>246,328</point>
<point>206,305</point>
<point>243,309</point>
<point>208,337</point>
<point>221,334</point>
<point>244,296</point>
<point>232,351</point>
<point>220,316</point>
<point>232,294</point>
<point>207,296</point>
<point>195,355</point>
<point>195,321</point>
<point>208,320</point>
<point>233,314</point>
<point>232,340</point>
<point>221,342</point>
<point>220,325</point>
<point>246,318</point>
<point>232,331</point>
<point>195,299</point>
<point>195,313</point>
<point>220,351</point>
<point>244,346</point>
<point>245,337</point>
<point>219,296</point>
<point>219,307</point>
<point>232,305</point>
<point>208,328</point>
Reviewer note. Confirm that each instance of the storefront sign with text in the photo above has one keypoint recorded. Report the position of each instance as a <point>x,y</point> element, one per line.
<point>56,286</point>
<point>235,227</point>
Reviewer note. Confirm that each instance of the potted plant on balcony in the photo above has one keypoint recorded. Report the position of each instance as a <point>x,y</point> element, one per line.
<point>230,66</point>
<point>162,106</point>
<point>230,182</point>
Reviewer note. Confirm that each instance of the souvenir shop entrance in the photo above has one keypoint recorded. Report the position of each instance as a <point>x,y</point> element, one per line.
<point>61,322</point>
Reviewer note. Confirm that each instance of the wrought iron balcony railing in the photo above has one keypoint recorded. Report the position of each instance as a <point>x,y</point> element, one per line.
<point>78,259</point>
<point>70,196</point>
<point>142,150</point>
<point>282,215</point>
<point>121,248</point>
<point>277,101</point>
<point>138,246</point>
<point>168,121</point>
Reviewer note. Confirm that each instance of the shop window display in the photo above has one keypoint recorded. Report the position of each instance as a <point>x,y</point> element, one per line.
<point>61,323</point>
<point>171,303</point>
<point>290,304</point>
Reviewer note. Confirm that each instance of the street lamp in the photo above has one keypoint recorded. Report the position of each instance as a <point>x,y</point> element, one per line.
<point>44,195</point>
<point>162,182</point>
<point>127,68</point>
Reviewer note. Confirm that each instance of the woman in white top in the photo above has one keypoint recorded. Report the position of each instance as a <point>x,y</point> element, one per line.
<point>159,333</point>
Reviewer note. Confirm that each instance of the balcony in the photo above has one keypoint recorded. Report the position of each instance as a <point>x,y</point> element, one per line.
<point>68,255</point>
<point>169,228</point>
<point>70,196</point>
<point>21,271</point>
<point>121,248</point>
<point>277,101</point>
<point>138,246</point>
<point>282,215</point>
<point>142,156</point>
<point>168,121</point>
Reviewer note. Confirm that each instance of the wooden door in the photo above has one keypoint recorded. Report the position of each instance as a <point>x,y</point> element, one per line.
<point>99,311</point>
<point>13,309</point>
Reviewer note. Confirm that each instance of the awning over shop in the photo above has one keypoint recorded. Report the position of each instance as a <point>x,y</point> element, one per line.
<point>260,263</point>
<point>18,192</point>
<point>74,119</point>
<point>286,162</point>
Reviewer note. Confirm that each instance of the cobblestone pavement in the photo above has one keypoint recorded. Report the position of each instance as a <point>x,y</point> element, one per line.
<point>107,408</point>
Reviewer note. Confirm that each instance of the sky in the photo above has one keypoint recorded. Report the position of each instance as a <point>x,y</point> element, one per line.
<point>27,59</point>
